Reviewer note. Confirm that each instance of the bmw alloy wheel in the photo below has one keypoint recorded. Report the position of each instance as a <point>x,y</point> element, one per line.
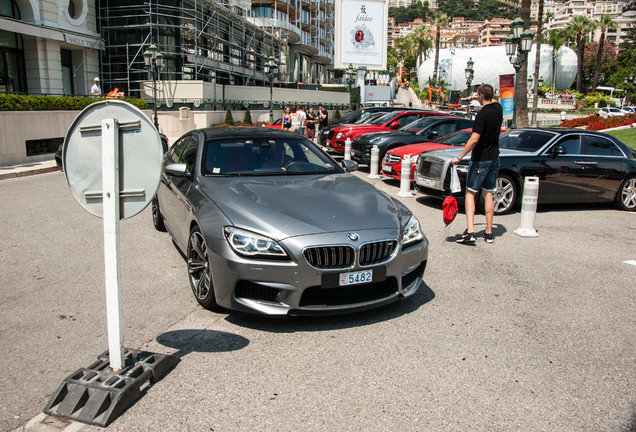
<point>199,270</point>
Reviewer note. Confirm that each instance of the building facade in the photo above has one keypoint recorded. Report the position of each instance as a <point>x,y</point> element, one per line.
<point>48,47</point>
<point>57,47</point>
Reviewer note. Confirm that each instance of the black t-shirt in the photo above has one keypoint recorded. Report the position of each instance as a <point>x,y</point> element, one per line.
<point>324,121</point>
<point>487,125</point>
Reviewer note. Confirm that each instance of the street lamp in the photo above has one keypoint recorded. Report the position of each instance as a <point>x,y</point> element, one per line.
<point>154,63</point>
<point>350,72</point>
<point>470,73</point>
<point>271,68</point>
<point>518,44</point>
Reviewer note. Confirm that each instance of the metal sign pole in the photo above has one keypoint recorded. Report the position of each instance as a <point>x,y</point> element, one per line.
<point>112,263</point>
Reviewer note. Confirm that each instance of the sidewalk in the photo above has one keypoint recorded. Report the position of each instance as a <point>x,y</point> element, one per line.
<point>13,171</point>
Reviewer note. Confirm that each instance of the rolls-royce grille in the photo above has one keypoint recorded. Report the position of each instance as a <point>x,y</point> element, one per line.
<point>391,158</point>
<point>430,168</point>
<point>373,253</point>
<point>330,256</point>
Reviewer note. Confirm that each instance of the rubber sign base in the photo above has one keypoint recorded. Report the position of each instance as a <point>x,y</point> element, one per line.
<point>97,395</point>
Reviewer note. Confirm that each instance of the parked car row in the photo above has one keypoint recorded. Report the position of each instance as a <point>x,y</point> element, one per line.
<point>616,112</point>
<point>573,166</point>
<point>271,224</point>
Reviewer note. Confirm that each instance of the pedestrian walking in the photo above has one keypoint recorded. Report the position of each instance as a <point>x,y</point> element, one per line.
<point>286,118</point>
<point>303,119</point>
<point>295,120</point>
<point>310,125</point>
<point>484,163</point>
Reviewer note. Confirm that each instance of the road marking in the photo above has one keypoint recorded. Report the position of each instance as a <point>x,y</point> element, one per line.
<point>632,262</point>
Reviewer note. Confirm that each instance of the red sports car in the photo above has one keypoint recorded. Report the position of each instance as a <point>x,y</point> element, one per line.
<point>388,122</point>
<point>392,162</point>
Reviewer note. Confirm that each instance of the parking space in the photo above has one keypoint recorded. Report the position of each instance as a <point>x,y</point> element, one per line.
<point>523,334</point>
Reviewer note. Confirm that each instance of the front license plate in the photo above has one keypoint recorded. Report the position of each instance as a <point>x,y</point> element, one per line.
<point>386,168</point>
<point>358,277</point>
<point>426,182</point>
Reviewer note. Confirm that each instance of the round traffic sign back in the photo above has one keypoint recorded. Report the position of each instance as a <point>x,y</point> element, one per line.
<point>140,155</point>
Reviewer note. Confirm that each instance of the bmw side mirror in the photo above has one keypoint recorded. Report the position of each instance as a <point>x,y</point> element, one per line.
<point>349,165</point>
<point>177,169</point>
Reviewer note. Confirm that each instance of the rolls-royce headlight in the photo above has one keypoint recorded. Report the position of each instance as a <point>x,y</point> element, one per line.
<point>412,232</point>
<point>249,244</point>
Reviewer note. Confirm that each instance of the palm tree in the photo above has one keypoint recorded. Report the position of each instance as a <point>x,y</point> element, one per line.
<point>420,43</point>
<point>577,29</point>
<point>439,20</point>
<point>537,64</point>
<point>521,89</point>
<point>556,39</point>
<point>606,23</point>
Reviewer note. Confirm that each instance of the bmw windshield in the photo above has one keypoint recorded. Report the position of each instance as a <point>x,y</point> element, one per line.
<point>264,156</point>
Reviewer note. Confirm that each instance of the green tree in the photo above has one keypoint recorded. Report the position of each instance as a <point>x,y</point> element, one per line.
<point>248,117</point>
<point>521,89</point>
<point>228,118</point>
<point>556,39</point>
<point>439,20</point>
<point>577,30</point>
<point>606,23</point>
<point>419,44</point>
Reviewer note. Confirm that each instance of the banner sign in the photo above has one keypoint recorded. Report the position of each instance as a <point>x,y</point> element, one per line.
<point>507,93</point>
<point>361,34</point>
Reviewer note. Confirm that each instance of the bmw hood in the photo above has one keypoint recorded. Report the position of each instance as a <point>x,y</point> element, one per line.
<point>288,206</point>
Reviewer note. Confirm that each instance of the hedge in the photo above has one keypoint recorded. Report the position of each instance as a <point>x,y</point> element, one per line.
<point>13,102</point>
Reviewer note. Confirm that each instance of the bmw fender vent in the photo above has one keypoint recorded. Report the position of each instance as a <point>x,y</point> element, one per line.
<point>375,253</point>
<point>330,257</point>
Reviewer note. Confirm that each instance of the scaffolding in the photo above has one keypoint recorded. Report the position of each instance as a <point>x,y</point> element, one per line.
<point>200,40</point>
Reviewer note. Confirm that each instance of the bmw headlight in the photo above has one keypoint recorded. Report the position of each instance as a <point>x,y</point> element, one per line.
<point>412,233</point>
<point>249,244</point>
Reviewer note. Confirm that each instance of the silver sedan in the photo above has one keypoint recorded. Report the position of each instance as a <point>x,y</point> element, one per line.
<point>271,224</point>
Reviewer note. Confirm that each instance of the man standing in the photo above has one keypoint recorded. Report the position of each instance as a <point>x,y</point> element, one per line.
<point>323,117</point>
<point>96,90</point>
<point>303,119</point>
<point>484,162</point>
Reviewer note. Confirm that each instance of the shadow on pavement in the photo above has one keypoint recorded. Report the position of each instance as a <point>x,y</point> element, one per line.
<point>207,341</point>
<point>337,322</point>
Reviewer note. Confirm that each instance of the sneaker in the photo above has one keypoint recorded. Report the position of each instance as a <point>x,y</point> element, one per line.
<point>466,238</point>
<point>489,238</point>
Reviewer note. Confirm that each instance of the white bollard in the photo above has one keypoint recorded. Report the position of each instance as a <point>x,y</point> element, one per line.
<point>405,177</point>
<point>347,154</point>
<point>375,161</point>
<point>529,208</point>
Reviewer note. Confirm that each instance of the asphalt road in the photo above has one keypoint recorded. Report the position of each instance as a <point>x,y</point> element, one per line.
<point>526,334</point>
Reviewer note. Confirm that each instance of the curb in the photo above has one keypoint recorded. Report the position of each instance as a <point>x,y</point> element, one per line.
<point>21,172</point>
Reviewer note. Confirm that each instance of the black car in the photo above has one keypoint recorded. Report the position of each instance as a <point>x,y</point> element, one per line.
<point>422,130</point>
<point>353,117</point>
<point>573,166</point>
